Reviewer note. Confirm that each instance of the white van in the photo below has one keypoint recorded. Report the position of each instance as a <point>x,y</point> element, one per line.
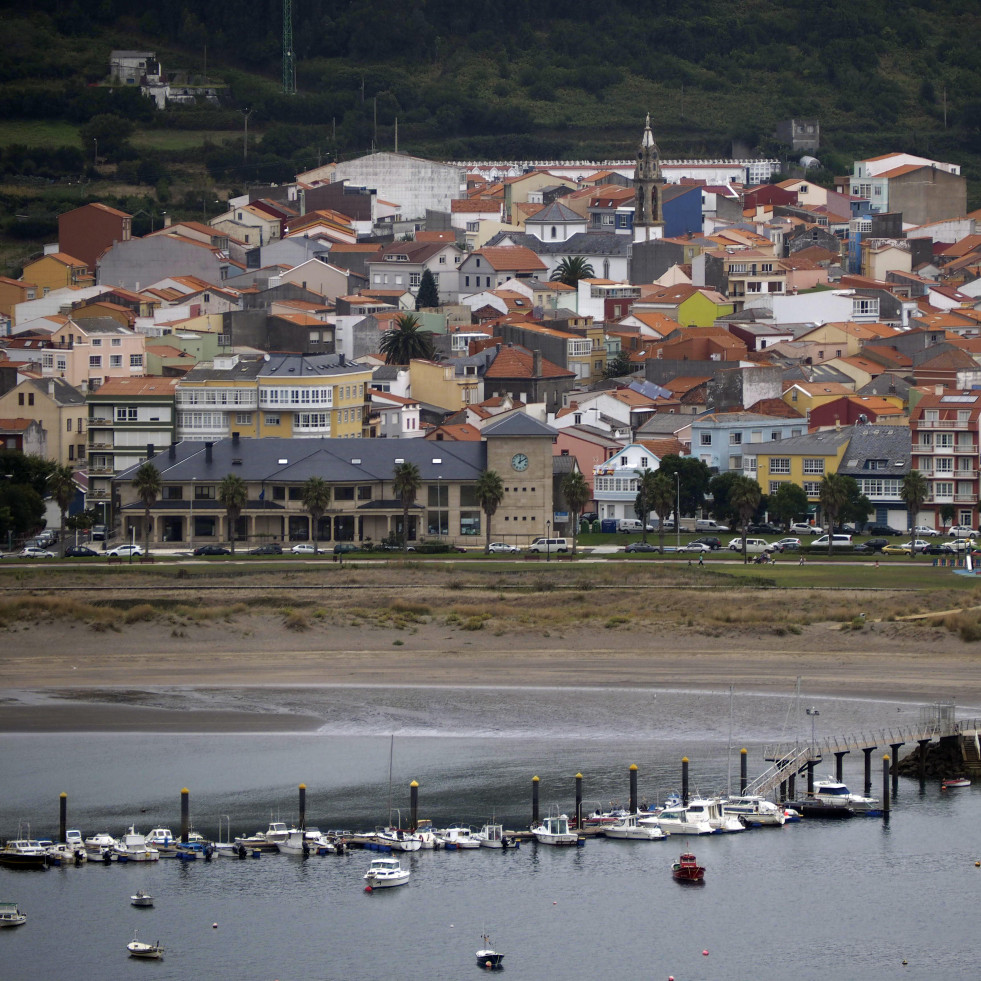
<point>707,524</point>
<point>836,541</point>
<point>632,526</point>
<point>753,545</point>
<point>549,545</point>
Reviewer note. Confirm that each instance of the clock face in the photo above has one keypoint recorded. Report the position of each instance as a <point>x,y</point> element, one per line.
<point>519,461</point>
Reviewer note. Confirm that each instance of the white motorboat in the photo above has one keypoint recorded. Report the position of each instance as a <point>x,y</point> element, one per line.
<point>488,957</point>
<point>98,845</point>
<point>308,842</point>
<point>137,948</point>
<point>383,873</point>
<point>142,899</point>
<point>493,836</point>
<point>458,837</point>
<point>554,830</point>
<point>132,847</point>
<point>634,828</point>
<point>277,832</point>
<point>399,840</point>
<point>754,810</point>
<point>64,854</point>
<point>73,837</point>
<point>11,915</point>
<point>425,833</point>
<point>711,809</point>
<point>835,793</point>
<point>24,853</point>
<point>164,841</point>
<point>677,821</point>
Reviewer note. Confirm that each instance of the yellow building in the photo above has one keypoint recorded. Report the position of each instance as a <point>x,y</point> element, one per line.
<point>57,270</point>
<point>446,386</point>
<point>273,395</point>
<point>802,460</point>
<point>60,409</point>
<point>844,339</point>
<point>805,396</point>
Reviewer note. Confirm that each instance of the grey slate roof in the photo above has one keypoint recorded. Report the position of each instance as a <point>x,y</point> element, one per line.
<point>582,243</point>
<point>821,443</point>
<point>299,365</point>
<point>63,394</point>
<point>893,444</point>
<point>206,370</point>
<point>519,424</point>
<point>555,214</point>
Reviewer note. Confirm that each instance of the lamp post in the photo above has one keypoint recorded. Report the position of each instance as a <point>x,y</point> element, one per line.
<point>95,158</point>
<point>548,544</point>
<point>677,509</point>
<point>190,520</point>
<point>813,713</point>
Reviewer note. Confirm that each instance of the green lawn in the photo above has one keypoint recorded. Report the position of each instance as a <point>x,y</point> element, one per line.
<point>41,132</point>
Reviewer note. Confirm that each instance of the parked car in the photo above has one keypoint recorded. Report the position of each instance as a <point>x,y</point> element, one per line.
<point>939,548</point>
<point>753,545</point>
<point>341,548</point>
<point>212,550</point>
<point>122,551</point>
<point>872,545</point>
<point>804,528</point>
<point>925,531</point>
<point>785,545</point>
<point>304,549</point>
<point>98,533</point>
<point>79,552</point>
<point>589,516</point>
<point>880,530</point>
<point>962,531</point>
<point>696,547</point>
<point>835,541</point>
<point>549,545</point>
<point>710,540</point>
<point>632,526</point>
<point>707,524</point>
<point>270,548</point>
<point>764,529</point>
<point>33,552</point>
<point>502,548</point>
<point>960,544</point>
<point>907,548</point>
<point>641,547</point>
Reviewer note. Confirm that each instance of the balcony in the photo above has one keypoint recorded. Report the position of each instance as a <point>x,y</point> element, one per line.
<point>97,495</point>
<point>943,424</point>
<point>99,421</point>
<point>99,446</point>
<point>102,471</point>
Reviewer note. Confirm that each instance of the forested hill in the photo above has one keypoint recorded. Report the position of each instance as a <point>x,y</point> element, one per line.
<point>528,78</point>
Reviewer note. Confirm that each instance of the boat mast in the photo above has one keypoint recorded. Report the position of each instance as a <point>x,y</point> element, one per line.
<point>391,757</point>
<point>729,750</point>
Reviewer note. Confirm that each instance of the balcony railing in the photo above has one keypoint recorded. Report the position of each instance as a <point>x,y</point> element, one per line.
<point>103,471</point>
<point>942,424</point>
<point>97,495</point>
<point>99,446</point>
<point>99,421</point>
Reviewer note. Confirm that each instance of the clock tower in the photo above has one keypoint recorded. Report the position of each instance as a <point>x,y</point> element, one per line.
<point>519,449</point>
<point>648,211</point>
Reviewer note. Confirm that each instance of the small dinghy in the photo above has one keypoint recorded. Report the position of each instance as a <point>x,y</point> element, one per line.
<point>137,948</point>
<point>142,899</point>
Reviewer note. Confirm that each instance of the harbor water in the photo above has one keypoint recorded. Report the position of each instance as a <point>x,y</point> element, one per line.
<point>854,898</point>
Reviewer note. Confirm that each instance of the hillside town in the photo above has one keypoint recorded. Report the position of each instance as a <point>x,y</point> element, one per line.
<point>529,319</point>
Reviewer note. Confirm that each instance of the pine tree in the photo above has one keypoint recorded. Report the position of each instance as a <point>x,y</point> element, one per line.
<point>428,295</point>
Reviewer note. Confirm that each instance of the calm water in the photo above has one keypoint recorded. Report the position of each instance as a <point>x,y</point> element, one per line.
<point>851,899</point>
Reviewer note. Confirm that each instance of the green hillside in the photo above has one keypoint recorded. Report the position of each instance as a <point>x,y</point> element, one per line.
<point>479,80</point>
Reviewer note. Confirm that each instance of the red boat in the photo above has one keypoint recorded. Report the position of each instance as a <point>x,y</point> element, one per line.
<point>686,869</point>
<point>955,782</point>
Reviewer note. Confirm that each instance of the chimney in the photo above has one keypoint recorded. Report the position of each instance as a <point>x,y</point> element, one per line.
<point>150,451</point>
<point>208,457</point>
<point>536,364</point>
<point>51,387</point>
<point>172,452</point>
<point>235,439</point>
<point>938,389</point>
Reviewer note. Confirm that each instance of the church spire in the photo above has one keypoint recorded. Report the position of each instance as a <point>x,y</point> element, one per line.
<point>648,215</point>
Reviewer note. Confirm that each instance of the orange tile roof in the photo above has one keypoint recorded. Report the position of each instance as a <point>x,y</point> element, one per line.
<point>513,362</point>
<point>511,257</point>
<point>144,385</point>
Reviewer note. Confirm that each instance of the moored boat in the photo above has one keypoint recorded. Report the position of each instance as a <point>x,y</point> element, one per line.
<point>711,810</point>
<point>62,854</point>
<point>952,782</point>
<point>677,821</point>
<point>493,836</point>
<point>137,948</point>
<point>132,847</point>
<point>687,869</point>
<point>11,915</point>
<point>308,842</point>
<point>384,873</point>
<point>836,793</point>
<point>554,830</point>
<point>458,836</point>
<point>487,957</point>
<point>399,840</point>
<point>142,899</point>
<point>634,828</point>
<point>164,841</point>
<point>100,844</point>
<point>24,853</point>
<point>755,810</point>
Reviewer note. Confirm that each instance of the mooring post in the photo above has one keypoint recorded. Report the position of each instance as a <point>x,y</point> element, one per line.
<point>792,786</point>
<point>303,807</point>
<point>684,781</point>
<point>839,756</point>
<point>810,776</point>
<point>579,801</point>
<point>868,750</point>
<point>895,747</point>
<point>185,814</point>
<point>885,787</point>
<point>413,806</point>
<point>743,773</point>
<point>783,790</point>
<point>63,818</point>
<point>921,773</point>
<point>633,788</point>
<point>534,801</point>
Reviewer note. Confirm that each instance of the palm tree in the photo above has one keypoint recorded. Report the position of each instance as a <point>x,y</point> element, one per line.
<point>406,484</point>
<point>744,499</point>
<point>913,491</point>
<point>662,500</point>
<point>833,497</point>
<point>406,341</point>
<point>61,483</point>
<point>489,493</point>
<point>642,504</point>
<point>577,495</point>
<point>148,487</point>
<point>315,495</point>
<point>233,495</point>
<point>573,268</point>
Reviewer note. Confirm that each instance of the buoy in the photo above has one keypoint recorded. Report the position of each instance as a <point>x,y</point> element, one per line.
<point>488,965</point>
<point>554,903</point>
<point>367,888</point>
<point>977,865</point>
<point>705,953</point>
<point>904,962</point>
<point>214,926</point>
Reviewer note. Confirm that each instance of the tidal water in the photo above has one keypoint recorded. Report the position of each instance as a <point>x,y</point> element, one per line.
<point>851,899</point>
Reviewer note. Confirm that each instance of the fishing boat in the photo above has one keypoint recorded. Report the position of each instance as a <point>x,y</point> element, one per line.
<point>459,836</point>
<point>493,836</point>
<point>100,844</point>
<point>137,948</point>
<point>554,830</point>
<point>383,873</point>
<point>952,782</point>
<point>634,828</point>
<point>195,851</point>
<point>24,853</point>
<point>142,899</point>
<point>62,854</point>
<point>399,840</point>
<point>163,840</point>
<point>132,847</point>
<point>686,869</point>
<point>308,842</point>
<point>11,916</point>
<point>425,833</point>
<point>487,957</point>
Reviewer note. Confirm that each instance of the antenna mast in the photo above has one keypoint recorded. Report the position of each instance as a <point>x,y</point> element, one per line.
<point>289,64</point>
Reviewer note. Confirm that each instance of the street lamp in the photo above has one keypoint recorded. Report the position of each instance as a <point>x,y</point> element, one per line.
<point>813,713</point>
<point>677,509</point>
<point>548,544</point>
<point>190,520</point>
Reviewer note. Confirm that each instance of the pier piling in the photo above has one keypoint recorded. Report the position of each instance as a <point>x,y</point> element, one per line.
<point>63,818</point>
<point>579,801</point>
<point>810,776</point>
<point>633,788</point>
<point>895,747</point>
<point>921,770</point>
<point>185,814</point>
<point>684,781</point>
<point>885,787</point>
<point>792,786</point>
<point>839,756</point>
<point>413,806</point>
<point>534,801</point>
<point>743,771</point>
<point>868,750</point>
<point>303,807</point>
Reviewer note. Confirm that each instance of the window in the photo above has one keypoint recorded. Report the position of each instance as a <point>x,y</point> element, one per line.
<point>775,486</point>
<point>271,420</point>
<point>780,464</point>
<point>814,465</point>
<point>343,493</point>
<point>96,342</point>
<point>943,488</point>
<point>243,418</point>
<point>117,342</point>
<point>171,492</point>
<point>812,488</point>
<point>735,439</point>
<point>204,492</point>
<point>415,279</point>
<point>69,424</point>
<point>95,360</point>
<point>364,492</point>
<point>115,361</point>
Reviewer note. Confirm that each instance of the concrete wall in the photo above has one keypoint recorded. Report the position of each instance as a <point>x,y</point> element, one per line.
<point>140,262</point>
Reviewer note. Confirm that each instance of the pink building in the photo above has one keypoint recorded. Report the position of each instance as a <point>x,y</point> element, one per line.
<point>86,353</point>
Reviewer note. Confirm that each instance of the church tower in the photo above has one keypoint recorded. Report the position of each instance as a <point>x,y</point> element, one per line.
<point>648,213</point>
